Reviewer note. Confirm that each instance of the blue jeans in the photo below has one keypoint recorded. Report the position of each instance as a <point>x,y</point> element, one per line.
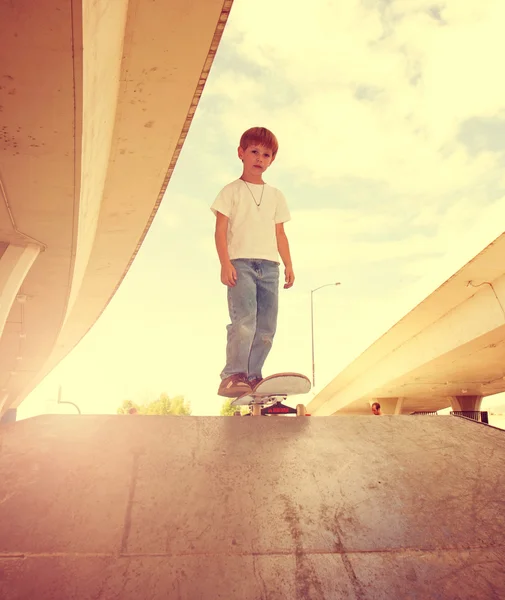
<point>252,304</point>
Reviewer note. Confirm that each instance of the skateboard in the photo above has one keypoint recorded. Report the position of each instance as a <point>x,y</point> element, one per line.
<point>268,396</point>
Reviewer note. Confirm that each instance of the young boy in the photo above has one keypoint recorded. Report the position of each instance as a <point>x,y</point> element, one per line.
<point>376,409</point>
<point>250,217</point>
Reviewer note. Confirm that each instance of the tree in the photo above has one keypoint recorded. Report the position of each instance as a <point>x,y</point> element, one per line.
<point>227,410</point>
<point>127,407</point>
<point>164,405</point>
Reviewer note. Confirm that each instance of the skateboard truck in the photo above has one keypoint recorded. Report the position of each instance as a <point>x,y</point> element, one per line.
<point>278,409</point>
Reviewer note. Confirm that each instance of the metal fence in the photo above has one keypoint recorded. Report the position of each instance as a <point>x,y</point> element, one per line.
<point>476,415</point>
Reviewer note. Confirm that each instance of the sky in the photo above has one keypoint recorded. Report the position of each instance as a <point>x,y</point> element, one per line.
<point>390,116</point>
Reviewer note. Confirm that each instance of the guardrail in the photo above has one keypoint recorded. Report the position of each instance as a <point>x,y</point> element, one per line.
<point>475,415</point>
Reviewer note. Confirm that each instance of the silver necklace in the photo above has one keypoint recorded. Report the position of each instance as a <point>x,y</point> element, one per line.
<point>250,191</point>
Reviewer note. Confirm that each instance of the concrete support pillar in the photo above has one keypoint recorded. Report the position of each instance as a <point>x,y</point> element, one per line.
<point>3,399</point>
<point>389,406</point>
<point>15,263</point>
<point>466,403</point>
<point>9,416</point>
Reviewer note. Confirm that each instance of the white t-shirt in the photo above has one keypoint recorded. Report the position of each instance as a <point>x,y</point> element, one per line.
<point>251,229</point>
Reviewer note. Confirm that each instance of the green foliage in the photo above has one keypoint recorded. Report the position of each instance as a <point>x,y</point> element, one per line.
<point>125,408</point>
<point>227,410</point>
<point>164,405</point>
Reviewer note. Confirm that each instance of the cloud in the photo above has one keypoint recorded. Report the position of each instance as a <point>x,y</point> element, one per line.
<point>386,266</point>
<point>374,90</point>
<point>481,134</point>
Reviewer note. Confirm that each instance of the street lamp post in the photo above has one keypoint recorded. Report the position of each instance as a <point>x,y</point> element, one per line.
<point>312,327</point>
<point>60,401</point>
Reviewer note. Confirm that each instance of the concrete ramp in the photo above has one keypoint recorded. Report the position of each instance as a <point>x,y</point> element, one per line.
<point>190,508</point>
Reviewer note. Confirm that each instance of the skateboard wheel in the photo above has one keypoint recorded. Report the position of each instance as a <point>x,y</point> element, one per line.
<point>256,410</point>
<point>237,413</point>
<point>300,410</point>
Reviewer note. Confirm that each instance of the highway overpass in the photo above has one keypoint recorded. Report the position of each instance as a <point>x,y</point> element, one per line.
<point>449,351</point>
<point>96,99</point>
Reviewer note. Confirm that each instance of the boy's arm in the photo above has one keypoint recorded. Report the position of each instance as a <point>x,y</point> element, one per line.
<point>283,248</point>
<point>228,272</point>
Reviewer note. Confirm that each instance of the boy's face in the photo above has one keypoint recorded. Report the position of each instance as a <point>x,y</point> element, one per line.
<point>256,159</point>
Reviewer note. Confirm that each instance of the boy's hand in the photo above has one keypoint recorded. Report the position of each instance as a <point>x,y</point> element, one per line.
<point>289,277</point>
<point>228,275</point>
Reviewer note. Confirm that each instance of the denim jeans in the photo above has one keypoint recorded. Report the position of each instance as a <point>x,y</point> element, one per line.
<point>252,304</point>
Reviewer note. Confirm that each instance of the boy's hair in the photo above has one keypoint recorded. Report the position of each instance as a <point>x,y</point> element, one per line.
<point>260,136</point>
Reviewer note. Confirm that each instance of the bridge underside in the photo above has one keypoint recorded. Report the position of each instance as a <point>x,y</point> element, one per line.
<point>96,99</point>
<point>446,351</point>
<point>474,370</point>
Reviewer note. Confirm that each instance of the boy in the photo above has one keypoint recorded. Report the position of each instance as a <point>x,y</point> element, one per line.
<point>376,409</point>
<point>250,236</point>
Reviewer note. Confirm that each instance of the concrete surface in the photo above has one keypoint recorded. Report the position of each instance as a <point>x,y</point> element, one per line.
<point>364,508</point>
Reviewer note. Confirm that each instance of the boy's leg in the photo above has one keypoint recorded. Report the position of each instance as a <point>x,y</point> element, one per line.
<point>267,296</point>
<point>242,307</point>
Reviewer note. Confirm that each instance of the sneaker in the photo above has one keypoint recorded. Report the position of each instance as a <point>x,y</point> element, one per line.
<point>234,386</point>
<point>254,382</point>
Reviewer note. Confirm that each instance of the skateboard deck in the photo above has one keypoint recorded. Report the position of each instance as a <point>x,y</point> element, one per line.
<point>278,385</point>
<point>272,390</point>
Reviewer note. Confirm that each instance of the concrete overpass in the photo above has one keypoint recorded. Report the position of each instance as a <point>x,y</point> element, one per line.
<point>96,99</point>
<point>448,351</point>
